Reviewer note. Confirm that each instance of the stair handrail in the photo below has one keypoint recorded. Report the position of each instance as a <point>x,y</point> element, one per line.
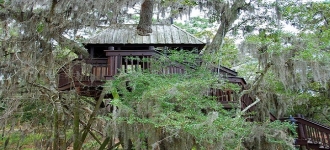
<point>306,128</point>
<point>300,117</point>
<point>313,124</point>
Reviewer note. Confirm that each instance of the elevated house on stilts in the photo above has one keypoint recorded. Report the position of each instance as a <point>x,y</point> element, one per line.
<point>112,50</point>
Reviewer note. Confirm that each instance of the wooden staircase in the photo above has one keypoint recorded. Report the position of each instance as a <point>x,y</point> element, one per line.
<point>311,135</point>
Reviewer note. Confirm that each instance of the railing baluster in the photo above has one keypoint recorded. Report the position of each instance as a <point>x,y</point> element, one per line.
<point>229,95</point>
<point>111,66</point>
<point>138,63</point>
<point>317,135</point>
<point>311,133</point>
<point>148,63</point>
<point>328,139</point>
<point>143,63</point>
<point>304,131</point>
<point>126,64</point>
<point>308,133</point>
<point>322,137</point>
<point>131,63</point>
<point>101,72</point>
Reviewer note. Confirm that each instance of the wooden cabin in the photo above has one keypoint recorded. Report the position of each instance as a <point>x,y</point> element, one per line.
<point>119,48</point>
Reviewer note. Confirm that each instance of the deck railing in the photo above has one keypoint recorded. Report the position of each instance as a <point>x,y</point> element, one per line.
<point>313,132</point>
<point>90,72</point>
<point>83,71</point>
<point>127,60</point>
<point>310,133</point>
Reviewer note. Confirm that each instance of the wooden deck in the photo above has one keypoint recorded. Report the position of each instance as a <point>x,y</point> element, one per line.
<point>90,74</point>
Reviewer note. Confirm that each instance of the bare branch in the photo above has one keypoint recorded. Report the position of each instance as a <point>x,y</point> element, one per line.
<point>92,116</point>
<point>73,46</point>
<point>254,87</point>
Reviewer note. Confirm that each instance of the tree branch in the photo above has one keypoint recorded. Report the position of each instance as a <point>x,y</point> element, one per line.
<point>254,87</point>
<point>73,46</point>
<point>92,116</point>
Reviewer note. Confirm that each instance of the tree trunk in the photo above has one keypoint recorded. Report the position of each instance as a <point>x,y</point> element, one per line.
<point>93,115</point>
<point>59,128</point>
<point>144,26</point>
<point>228,17</point>
<point>76,133</point>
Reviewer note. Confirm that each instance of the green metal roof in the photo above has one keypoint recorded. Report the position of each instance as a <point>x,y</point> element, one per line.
<point>126,34</point>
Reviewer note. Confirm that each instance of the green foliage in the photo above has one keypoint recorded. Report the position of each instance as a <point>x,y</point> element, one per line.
<point>228,54</point>
<point>177,105</point>
<point>309,50</point>
<point>40,27</point>
<point>271,135</point>
<point>199,27</point>
<point>19,140</point>
<point>202,28</point>
<point>190,2</point>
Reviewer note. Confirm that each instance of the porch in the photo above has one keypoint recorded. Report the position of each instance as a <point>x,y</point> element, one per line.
<point>90,74</point>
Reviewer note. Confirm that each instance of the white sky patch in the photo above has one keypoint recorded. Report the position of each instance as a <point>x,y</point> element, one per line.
<point>290,29</point>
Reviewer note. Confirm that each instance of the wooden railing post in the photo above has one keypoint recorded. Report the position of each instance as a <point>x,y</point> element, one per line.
<point>301,128</point>
<point>109,63</point>
<point>148,64</point>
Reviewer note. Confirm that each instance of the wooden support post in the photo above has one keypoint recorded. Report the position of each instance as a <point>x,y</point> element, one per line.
<point>301,128</point>
<point>109,63</point>
<point>148,64</point>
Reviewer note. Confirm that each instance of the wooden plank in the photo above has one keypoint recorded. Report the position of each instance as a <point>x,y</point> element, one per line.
<point>138,38</point>
<point>129,53</point>
<point>114,36</point>
<point>125,35</point>
<point>112,66</point>
<point>122,35</point>
<point>109,66</point>
<point>175,35</point>
<point>105,72</point>
<point>190,38</point>
<point>160,35</point>
<point>96,61</point>
<point>167,34</point>
<point>145,39</point>
<point>183,37</point>
<point>153,35</point>
<point>130,35</point>
<point>118,36</point>
<point>109,37</point>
